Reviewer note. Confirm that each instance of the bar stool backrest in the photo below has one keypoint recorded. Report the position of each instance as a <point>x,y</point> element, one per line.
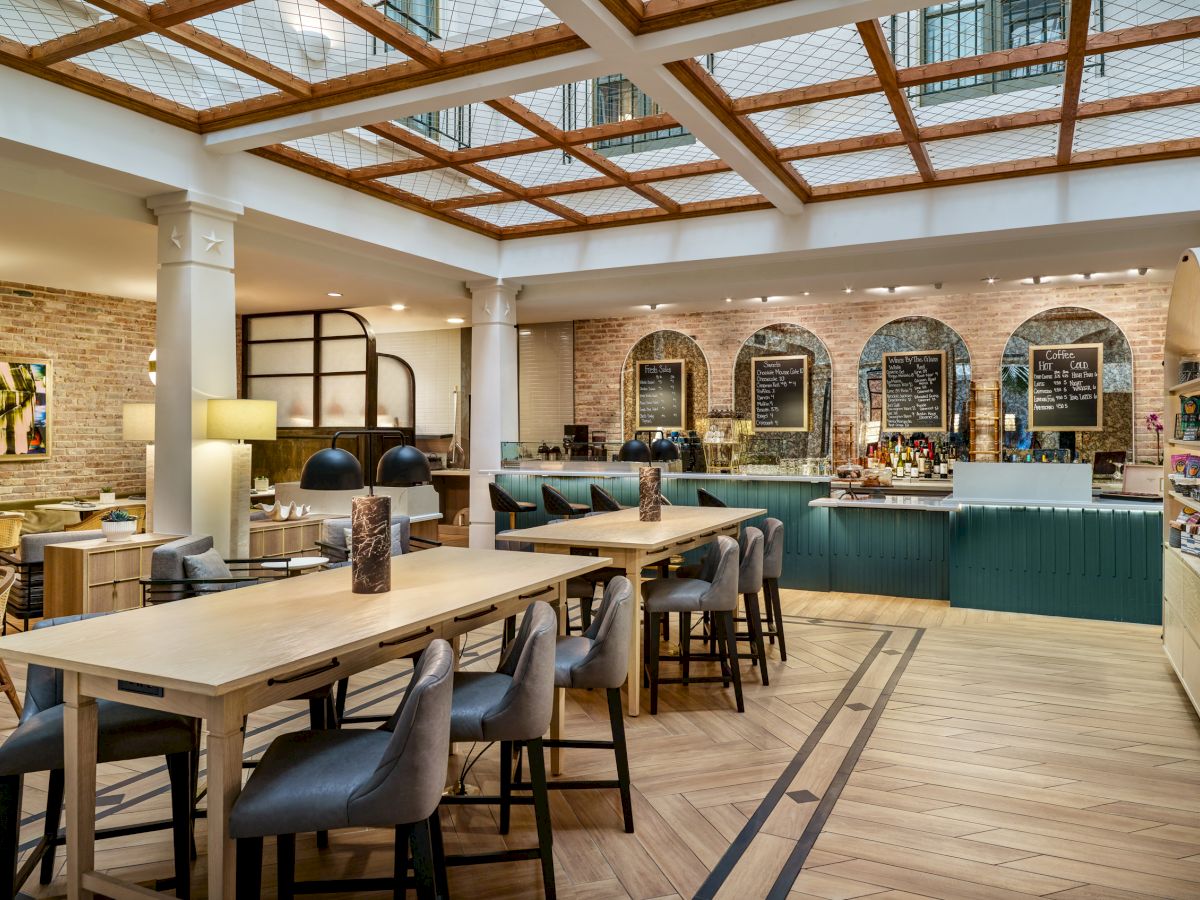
<point>502,500</point>
<point>607,661</point>
<point>407,784</point>
<point>555,503</point>
<point>602,500</point>
<point>750,554</point>
<point>772,548</point>
<point>720,570</point>
<point>43,684</point>
<point>704,498</point>
<point>524,712</point>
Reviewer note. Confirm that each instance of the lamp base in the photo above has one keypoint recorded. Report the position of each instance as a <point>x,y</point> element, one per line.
<point>371,545</point>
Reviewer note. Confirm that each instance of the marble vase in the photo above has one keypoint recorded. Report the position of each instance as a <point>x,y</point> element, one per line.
<point>650,494</point>
<point>371,545</point>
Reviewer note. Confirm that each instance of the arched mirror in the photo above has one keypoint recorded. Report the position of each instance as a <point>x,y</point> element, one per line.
<point>782,378</point>
<point>1074,350</point>
<point>925,391</point>
<point>664,384</point>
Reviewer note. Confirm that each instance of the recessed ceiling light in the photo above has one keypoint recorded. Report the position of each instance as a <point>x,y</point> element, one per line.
<point>937,285</point>
<point>1086,276</point>
<point>892,289</point>
<point>398,307</point>
<point>525,331</point>
<point>1140,270</point>
<point>728,299</point>
<point>333,294</point>
<point>806,293</point>
<point>991,279</point>
<point>848,290</point>
<point>456,320</point>
<point>653,306</point>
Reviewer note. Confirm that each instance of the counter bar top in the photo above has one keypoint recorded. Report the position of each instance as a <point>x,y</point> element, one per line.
<point>593,473</point>
<point>953,504</point>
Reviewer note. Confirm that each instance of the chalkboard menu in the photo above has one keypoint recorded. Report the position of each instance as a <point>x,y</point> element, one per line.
<point>661,389</point>
<point>914,391</point>
<point>779,386</point>
<point>1066,387</point>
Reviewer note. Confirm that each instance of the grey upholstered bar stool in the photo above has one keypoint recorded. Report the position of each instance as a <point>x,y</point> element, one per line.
<point>600,659</point>
<point>772,572</point>
<point>715,592</point>
<point>390,777</point>
<point>558,505</point>
<point>125,732</point>
<point>513,706</point>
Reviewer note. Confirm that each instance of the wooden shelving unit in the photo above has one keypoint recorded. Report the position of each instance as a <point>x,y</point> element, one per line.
<point>1181,571</point>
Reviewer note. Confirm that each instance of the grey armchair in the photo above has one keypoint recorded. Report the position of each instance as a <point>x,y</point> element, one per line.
<point>772,572</point>
<point>386,778</point>
<point>169,580</point>
<point>26,597</point>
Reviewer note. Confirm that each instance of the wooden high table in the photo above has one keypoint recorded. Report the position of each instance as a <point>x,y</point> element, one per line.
<point>222,656</point>
<point>633,545</point>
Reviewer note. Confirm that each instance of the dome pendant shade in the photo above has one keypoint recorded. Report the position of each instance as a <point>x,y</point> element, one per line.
<point>634,451</point>
<point>403,466</point>
<point>332,469</point>
<point>664,449</point>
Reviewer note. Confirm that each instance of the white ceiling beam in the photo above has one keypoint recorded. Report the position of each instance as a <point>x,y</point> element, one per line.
<point>706,36</point>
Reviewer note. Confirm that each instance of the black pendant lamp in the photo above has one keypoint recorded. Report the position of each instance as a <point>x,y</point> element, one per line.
<point>663,449</point>
<point>634,450</point>
<point>332,469</point>
<point>403,466</point>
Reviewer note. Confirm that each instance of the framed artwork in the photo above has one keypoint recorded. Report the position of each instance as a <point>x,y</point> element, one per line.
<point>25,412</point>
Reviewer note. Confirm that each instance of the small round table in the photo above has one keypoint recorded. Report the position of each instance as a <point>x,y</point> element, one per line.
<point>296,565</point>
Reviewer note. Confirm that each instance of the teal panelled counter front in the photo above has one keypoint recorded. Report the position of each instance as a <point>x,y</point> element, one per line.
<point>1093,563</point>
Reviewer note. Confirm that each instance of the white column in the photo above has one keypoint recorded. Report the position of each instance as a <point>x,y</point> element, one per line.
<point>493,394</point>
<point>197,360</point>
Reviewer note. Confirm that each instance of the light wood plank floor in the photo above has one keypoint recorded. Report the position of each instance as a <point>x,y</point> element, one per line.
<point>905,749</point>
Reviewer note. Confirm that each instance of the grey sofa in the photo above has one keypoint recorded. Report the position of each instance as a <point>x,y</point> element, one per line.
<point>28,592</point>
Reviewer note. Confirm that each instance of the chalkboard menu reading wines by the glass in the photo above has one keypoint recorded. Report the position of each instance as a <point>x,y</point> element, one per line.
<point>914,391</point>
<point>1066,387</point>
<point>661,389</point>
<point>779,386</point>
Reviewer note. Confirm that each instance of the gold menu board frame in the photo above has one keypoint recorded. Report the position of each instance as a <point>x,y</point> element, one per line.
<point>637,393</point>
<point>941,426</point>
<point>754,361</point>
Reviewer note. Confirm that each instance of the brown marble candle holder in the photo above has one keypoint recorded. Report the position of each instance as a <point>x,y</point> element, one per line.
<point>650,494</point>
<point>371,545</point>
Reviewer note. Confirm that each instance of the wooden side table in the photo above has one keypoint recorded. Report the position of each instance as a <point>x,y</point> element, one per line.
<point>98,576</point>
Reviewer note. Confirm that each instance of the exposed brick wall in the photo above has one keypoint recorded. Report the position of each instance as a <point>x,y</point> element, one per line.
<point>984,320</point>
<point>98,346</point>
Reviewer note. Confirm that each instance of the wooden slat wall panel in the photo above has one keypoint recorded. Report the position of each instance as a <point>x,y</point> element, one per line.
<point>895,553</point>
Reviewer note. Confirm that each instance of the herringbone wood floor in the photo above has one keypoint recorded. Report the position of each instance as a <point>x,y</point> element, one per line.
<point>904,750</point>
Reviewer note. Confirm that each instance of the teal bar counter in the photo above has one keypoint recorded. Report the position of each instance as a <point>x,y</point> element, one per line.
<point>1096,561</point>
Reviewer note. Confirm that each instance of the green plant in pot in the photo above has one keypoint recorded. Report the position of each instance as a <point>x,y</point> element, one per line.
<point>108,495</point>
<point>118,526</point>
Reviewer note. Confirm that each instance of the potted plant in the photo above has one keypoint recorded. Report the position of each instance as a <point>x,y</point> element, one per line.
<point>108,495</point>
<point>118,525</point>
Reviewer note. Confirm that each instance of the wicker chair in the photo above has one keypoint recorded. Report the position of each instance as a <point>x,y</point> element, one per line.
<point>10,531</point>
<point>7,577</point>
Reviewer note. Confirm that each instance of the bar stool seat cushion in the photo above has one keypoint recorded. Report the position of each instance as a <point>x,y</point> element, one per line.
<point>476,697</point>
<point>675,594</point>
<point>125,732</point>
<point>569,654</point>
<point>305,781</point>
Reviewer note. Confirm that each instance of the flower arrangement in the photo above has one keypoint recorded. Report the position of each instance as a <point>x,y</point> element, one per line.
<point>1154,423</point>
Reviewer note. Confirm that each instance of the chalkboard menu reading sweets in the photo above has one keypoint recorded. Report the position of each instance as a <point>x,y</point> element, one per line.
<point>914,391</point>
<point>661,388</point>
<point>780,393</point>
<point>1066,387</point>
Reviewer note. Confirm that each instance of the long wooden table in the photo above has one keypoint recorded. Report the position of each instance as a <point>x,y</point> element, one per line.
<point>222,656</point>
<point>633,545</point>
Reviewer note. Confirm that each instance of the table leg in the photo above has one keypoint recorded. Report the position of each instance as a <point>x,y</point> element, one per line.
<point>560,694</point>
<point>632,560</point>
<point>80,721</point>
<point>225,740</point>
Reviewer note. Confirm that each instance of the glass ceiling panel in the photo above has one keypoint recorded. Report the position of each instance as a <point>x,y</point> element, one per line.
<point>609,200</point>
<point>30,22</point>
<point>1000,146</point>
<point>865,166</point>
<point>458,23</point>
<point>701,188</point>
<point>505,215</point>
<point>543,167</point>
<point>828,55</point>
<point>1145,127</point>
<point>1158,67</point>
<point>832,120</point>
<point>461,127</point>
<point>352,149</point>
<point>692,152</point>
<point>170,70</point>
<point>438,184</point>
<point>1127,13</point>
<point>965,109</point>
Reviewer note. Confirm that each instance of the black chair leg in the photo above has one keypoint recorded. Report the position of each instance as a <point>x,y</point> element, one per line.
<point>423,867</point>
<point>769,613</point>
<point>771,587</point>
<point>585,612</point>
<point>685,644</point>
<point>249,868</point>
<point>541,810</point>
<point>441,883</point>
<point>179,771</point>
<point>316,713</point>
<point>617,721</point>
<point>339,703</point>
<point>755,626</point>
<point>54,806</point>
<point>400,862</point>
<point>729,636</point>
<point>506,772</point>
<point>510,631</point>
<point>285,856</point>
<point>653,650</point>
<point>10,832</point>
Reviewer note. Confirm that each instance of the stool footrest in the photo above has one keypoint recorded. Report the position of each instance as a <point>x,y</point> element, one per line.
<point>577,744</point>
<point>483,800</point>
<point>593,784</point>
<point>478,859</point>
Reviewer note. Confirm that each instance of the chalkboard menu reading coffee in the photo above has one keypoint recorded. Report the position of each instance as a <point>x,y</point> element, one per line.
<point>661,389</point>
<point>914,391</point>
<point>1066,387</point>
<point>780,393</point>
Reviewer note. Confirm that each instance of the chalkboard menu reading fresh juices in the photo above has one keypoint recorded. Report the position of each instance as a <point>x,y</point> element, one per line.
<point>1066,387</point>
<point>661,389</point>
<point>914,391</point>
<point>780,393</point>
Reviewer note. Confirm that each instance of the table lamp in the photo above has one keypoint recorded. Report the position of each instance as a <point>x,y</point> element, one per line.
<point>137,424</point>
<point>634,450</point>
<point>241,420</point>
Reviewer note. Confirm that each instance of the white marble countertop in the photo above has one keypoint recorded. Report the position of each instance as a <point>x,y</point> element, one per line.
<point>715,476</point>
<point>953,504</point>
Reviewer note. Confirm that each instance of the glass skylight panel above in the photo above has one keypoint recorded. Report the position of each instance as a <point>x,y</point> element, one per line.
<point>704,188</point>
<point>438,184</point>
<point>1118,14</point>
<point>867,165</point>
<point>1158,67</point>
<point>354,148</point>
<point>33,22</point>
<point>680,155</point>
<point>964,108</point>
<point>832,120</point>
<point>608,200</point>
<point>805,59</point>
<point>449,24</point>
<point>170,70</point>
<point>507,215</point>
<point>1149,126</point>
<point>996,147</point>
<point>464,127</point>
<point>543,167</point>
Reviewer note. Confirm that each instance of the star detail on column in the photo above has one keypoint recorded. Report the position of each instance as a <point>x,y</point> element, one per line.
<point>212,241</point>
<point>177,238</point>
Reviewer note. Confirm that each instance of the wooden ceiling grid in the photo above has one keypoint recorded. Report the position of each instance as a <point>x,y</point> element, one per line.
<point>425,63</point>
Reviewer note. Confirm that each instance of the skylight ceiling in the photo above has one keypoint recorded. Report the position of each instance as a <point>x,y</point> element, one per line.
<point>945,94</point>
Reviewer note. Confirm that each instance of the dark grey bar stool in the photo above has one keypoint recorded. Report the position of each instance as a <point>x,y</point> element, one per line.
<point>750,584</point>
<point>503,501</point>
<point>390,777</point>
<point>603,501</point>
<point>772,572</point>
<point>599,659</point>
<point>125,732</point>
<point>705,498</point>
<point>513,706</point>
<point>558,505</point>
<point>715,592</point>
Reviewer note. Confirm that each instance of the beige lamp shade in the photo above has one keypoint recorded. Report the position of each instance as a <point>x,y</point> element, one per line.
<point>241,420</point>
<point>137,422</point>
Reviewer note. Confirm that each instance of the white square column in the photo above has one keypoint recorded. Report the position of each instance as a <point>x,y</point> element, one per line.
<point>493,394</point>
<point>197,361</point>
